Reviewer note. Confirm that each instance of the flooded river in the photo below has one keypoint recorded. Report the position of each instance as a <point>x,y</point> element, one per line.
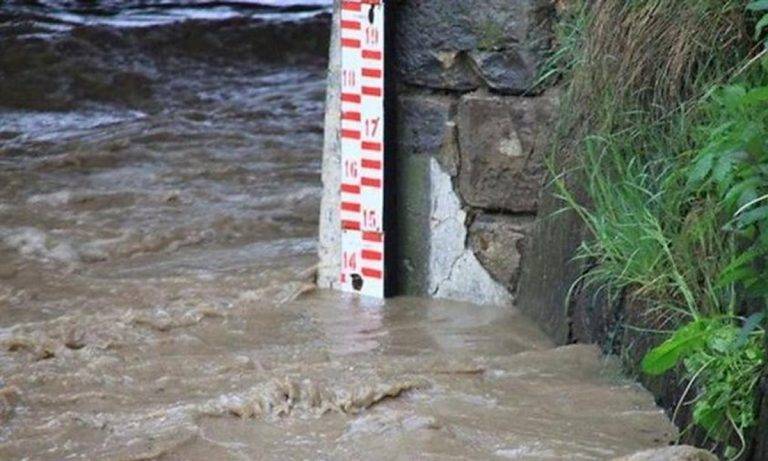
<point>159,194</point>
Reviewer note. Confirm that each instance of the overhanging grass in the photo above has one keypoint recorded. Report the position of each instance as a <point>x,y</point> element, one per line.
<point>637,72</point>
<point>641,77</point>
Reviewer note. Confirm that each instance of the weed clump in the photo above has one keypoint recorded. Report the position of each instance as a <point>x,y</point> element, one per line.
<point>664,157</point>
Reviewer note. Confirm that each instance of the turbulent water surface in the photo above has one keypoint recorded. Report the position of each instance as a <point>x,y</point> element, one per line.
<point>159,190</point>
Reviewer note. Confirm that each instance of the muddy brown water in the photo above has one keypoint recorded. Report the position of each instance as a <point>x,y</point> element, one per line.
<point>156,296</point>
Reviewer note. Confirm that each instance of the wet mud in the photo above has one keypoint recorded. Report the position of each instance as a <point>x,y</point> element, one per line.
<point>157,252</point>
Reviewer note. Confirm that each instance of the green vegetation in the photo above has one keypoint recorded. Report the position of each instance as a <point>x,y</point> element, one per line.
<point>725,362</point>
<point>665,154</point>
<point>490,35</point>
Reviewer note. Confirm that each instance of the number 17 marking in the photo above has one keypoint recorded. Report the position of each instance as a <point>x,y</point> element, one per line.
<point>372,126</point>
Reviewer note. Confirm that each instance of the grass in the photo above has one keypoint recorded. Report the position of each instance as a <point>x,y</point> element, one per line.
<point>662,154</point>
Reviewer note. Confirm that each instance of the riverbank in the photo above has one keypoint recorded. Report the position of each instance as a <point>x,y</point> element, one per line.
<point>159,194</point>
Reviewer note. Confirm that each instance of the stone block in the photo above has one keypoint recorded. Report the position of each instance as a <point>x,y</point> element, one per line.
<point>425,126</point>
<point>498,242</point>
<point>438,41</point>
<point>511,70</point>
<point>451,70</point>
<point>503,141</point>
<point>422,122</point>
<point>448,157</point>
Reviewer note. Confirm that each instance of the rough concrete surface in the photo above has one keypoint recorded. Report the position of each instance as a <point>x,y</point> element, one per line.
<point>454,271</point>
<point>329,247</point>
<point>549,271</point>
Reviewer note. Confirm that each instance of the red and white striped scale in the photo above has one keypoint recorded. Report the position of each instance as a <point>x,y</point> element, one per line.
<point>362,147</point>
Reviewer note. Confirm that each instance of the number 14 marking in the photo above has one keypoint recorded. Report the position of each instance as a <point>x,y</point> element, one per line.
<point>371,36</point>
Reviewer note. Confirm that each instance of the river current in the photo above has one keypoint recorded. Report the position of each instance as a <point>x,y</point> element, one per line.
<point>159,196</point>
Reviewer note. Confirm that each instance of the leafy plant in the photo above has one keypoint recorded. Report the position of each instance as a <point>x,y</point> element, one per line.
<point>733,165</point>
<point>760,6</point>
<point>725,361</point>
<point>683,342</point>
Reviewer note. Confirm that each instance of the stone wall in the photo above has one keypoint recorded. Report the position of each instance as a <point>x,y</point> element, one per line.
<point>471,134</point>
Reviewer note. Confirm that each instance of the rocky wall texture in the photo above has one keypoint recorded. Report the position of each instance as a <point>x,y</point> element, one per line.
<point>471,134</point>
<point>474,131</point>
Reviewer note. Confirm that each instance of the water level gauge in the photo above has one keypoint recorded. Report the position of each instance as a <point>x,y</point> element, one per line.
<point>362,147</point>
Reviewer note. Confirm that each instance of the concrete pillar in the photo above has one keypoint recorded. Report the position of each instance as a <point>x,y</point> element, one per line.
<point>329,239</point>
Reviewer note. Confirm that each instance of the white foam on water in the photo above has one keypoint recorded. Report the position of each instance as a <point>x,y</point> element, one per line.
<point>152,13</point>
